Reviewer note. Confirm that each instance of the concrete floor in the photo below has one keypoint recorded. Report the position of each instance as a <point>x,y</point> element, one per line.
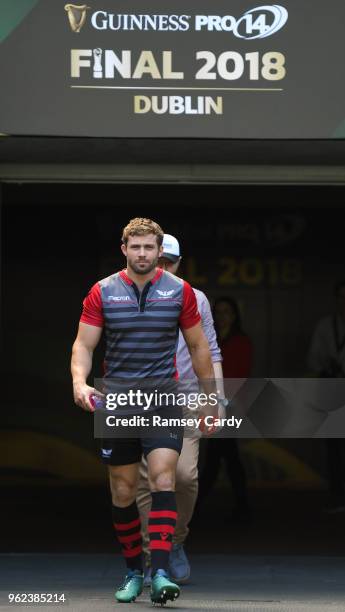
<point>218,582</point>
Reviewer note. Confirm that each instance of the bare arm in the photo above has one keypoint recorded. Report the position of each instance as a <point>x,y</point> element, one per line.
<point>81,364</point>
<point>201,360</point>
<point>202,364</point>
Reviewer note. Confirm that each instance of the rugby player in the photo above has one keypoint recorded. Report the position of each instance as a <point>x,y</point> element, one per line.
<point>141,309</point>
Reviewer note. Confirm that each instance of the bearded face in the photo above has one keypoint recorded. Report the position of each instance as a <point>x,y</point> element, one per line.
<point>142,253</point>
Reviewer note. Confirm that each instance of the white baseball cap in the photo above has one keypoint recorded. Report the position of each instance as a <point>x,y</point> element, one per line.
<point>171,248</point>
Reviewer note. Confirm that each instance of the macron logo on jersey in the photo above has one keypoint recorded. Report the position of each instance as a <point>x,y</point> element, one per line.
<point>165,293</point>
<point>119,298</point>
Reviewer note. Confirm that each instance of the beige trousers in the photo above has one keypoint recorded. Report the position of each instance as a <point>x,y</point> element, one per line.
<point>186,491</point>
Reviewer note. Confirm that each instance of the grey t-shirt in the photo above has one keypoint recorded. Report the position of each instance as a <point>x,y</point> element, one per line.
<point>183,359</point>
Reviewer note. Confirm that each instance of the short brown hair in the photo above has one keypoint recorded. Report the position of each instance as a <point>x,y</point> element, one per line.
<point>142,227</point>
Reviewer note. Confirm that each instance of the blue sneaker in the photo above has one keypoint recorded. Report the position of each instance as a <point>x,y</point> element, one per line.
<point>147,577</point>
<point>179,568</point>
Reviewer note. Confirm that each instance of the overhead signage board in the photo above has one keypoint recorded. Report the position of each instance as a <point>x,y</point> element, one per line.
<point>197,69</point>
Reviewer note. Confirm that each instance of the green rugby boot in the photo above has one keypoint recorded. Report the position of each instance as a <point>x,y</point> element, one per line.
<point>131,588</point>
<point>162,588</point>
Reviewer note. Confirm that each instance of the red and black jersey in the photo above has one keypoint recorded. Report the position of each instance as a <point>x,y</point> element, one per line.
<point>141,328</point>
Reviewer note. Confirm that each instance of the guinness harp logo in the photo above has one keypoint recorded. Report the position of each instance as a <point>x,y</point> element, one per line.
<point>76,16</point>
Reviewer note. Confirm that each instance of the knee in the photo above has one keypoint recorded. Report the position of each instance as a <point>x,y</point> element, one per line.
<point>162,481</point>
<point>123,492</point>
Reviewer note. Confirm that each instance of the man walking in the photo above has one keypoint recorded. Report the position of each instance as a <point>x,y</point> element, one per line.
<point>187,466</point>
<point>141,309</point>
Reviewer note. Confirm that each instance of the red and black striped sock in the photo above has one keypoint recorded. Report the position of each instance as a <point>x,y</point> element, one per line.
<point>161,526</point>
<point>127,526</point>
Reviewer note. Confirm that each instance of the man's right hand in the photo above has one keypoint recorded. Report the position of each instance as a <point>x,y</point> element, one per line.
<point>81,364</point>
<point>82,393</point>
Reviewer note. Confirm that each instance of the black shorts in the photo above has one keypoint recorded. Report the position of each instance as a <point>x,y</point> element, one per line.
<point>122,450</point>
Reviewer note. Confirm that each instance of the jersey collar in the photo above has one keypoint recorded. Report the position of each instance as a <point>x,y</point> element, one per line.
<point>125,277</point>
<point>153,280</point>
<point>159,272</point>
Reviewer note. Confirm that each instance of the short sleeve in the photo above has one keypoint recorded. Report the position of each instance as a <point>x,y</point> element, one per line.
<point>189,314</point>
<point>92,308</point>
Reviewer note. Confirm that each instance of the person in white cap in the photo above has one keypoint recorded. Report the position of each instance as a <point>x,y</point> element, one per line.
<point>187,467</point>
